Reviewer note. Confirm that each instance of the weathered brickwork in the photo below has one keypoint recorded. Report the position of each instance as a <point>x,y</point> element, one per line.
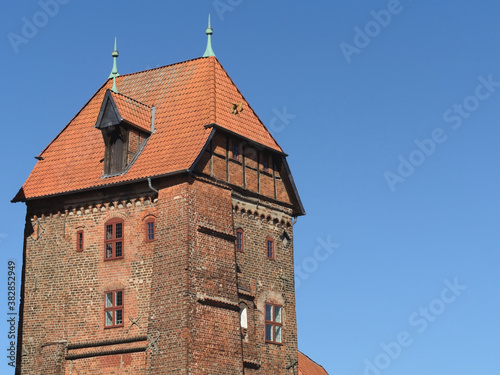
<point>183,291</point>
<point>269,281</point>
<point>64,289</point>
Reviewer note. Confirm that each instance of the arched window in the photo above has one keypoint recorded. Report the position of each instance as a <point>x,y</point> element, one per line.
<point>150,229</point>
<point>113,239</point>
<point>79,240</point>
<point>243,316</point>
<point>239,239</point>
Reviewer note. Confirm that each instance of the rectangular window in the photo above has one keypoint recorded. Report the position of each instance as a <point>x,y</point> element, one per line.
<point>265,163</point>
<point>236,153</point>
<point>270,248</point>
<point>113,239</point>
<point>113,309</point>
<point>239,239</point>
<point>273,324</point>
<point>150,230</point>
<point>79,240</point>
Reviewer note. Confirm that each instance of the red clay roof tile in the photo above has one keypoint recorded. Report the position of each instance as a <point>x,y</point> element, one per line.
<point>308,367</point>
<point>187,96</point>
<point>132,111</point>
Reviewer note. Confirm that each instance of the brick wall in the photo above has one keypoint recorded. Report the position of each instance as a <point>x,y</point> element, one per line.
<point>64,289</point>
<point>184,289</point>
<point>268,281</point>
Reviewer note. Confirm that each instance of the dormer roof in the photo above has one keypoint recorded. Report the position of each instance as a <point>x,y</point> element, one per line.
<point>118,109</point>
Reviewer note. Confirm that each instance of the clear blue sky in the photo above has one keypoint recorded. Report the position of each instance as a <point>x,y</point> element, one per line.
<point>392,113</point>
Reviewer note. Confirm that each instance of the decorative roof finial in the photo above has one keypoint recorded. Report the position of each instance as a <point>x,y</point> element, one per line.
<point>114,71</point>
<point>209,51</point>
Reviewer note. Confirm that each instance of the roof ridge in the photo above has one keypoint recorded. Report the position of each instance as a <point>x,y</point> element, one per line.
<point>160,67</point>
<point>249,106</point>
<point>213,106</point>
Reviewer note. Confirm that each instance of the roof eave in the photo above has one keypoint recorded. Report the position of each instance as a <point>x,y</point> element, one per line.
<point>110,185</point>
<point>301,211</point>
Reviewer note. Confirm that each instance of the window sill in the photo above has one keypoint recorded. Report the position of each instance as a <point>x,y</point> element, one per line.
<point>114,258</point>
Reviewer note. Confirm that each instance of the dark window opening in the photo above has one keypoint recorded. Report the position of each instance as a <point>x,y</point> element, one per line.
<point>235,152</point>
<point>239,239</point>
<point>270,248</point>
<point>265,163</point>
<point>79,240</point>
<point>115,158</point>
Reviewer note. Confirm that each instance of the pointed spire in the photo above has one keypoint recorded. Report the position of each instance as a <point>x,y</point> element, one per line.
<point>114,71</point>
<point>209,51</point>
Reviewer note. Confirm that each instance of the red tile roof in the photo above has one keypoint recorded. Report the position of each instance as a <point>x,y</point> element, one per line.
<point>308,367</point>
<point>132,111</point>
<point>187,96</point>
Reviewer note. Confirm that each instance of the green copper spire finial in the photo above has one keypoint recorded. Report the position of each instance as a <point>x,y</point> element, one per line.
<point>209,51</point>
<point>114,71</point>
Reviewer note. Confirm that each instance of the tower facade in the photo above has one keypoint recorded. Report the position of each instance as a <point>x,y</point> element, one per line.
<point>159,234</point>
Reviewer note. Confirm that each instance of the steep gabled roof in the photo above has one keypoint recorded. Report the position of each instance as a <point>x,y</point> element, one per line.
<point>188,98</point>
<point>308,367</point>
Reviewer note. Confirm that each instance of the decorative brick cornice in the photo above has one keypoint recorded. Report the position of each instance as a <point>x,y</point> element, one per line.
<point>96,207</point>
<point>244,292</point>
<point>70,357</point>
<point>216,233</point>
<point>107,347</point>
<point>93,344</point>
<point>251,363</point>
<point>217,301</point>
<point>260,211</point>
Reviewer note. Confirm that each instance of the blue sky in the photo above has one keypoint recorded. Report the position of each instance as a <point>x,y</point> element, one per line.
<point>389,112</point>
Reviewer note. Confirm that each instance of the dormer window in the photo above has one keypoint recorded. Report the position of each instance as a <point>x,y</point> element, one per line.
<point>126,125</point>
<point>115,141</point>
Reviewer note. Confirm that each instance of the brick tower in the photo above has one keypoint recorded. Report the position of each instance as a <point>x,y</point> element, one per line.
<point>159,234</point>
